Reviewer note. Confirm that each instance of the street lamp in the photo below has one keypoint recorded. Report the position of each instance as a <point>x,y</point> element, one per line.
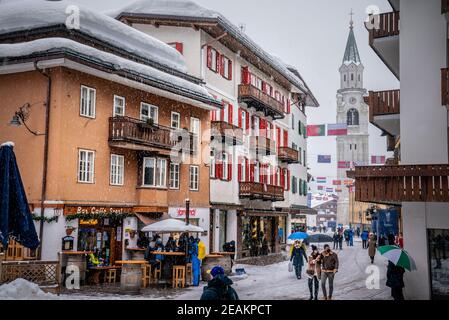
<point>21,116</point>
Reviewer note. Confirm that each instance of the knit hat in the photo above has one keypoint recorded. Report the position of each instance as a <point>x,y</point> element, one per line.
<point>216,271</point>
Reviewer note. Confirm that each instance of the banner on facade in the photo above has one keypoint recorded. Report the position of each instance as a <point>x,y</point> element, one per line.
<point>377,159</point>
<point>343,164</point>
<point>337,129</point>
<point>322,158</point>
<point>315,130</point>
<point>336,182</point>
<point>321,180</point>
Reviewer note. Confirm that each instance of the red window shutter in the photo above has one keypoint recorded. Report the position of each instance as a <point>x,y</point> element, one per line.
<point>245,75</point>
<point>209,57</point>
<point>285,138</point>
<point>240,117</point>
<point>229,170</point>
<point>288,106</point>
<point>222,111</point>
<point>222,65</point>
<point>282,177</point>
<point>264,86</point>
<point>251,172</point>
<point>230,114</point>
<point>230,70</point>
<point>271,175</point>
<point>180,47</point>
<point>288,180</point>
<point>261,175</point>
<point>239,169</point>
<point>219,57</point>
<point>247,170</point>
<point>247,122</point>
<point>217,169</point>
<point>262,127</point>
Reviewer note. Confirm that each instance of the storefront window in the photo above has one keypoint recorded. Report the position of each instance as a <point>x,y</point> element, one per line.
<point>223,227</point>
<point>258,235</point>
<point>438,240</point>
<point>282,230</point>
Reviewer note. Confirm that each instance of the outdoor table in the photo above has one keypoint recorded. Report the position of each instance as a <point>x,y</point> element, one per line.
<point>95,272</point>
<point>75,258</point>
<point>171,258</point>
<point>136,253</point>
<point>131,277</point>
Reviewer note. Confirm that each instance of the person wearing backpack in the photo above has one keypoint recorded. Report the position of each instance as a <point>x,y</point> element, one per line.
<point>219,287</point>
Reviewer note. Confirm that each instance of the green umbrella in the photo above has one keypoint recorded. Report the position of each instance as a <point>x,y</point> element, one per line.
<point>398,256</point>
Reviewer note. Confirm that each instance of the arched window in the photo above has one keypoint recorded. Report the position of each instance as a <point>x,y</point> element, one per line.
<point>352,117</point>
<point>352,77</point>
<point>344,78</point>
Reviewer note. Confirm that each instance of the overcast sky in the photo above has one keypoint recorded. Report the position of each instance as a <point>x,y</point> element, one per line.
<point>310,34</point>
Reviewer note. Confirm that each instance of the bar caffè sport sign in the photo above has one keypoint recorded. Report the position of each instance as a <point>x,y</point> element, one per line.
<point>92,210</point>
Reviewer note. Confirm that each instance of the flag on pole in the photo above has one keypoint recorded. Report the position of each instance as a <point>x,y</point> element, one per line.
<point>336,182</point>
<point>347,182</point>
<point>337,129</point>
<point>320,187</point>
<point>320,179</point>
<point>344,164</point>
<point>377,159</point>
<point>329,189</point>
<point>315,130</point>
<point>338,190</point>
<point>324,158</point>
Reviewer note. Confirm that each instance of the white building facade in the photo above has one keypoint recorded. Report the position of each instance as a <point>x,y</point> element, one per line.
<point>258,170</point>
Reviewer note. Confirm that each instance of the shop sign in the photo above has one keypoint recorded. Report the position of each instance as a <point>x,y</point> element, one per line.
<point>96,210</point>
<point>182,212</point>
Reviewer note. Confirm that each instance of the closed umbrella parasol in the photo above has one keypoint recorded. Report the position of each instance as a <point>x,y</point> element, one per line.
<point>398,256</point>
<point>298,236</point>
<point>15,216</point>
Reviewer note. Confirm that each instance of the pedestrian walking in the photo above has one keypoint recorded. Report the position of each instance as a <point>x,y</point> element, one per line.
<point>340,241</point>
<point>329,267</point>
<point>400,240</point>
<point>297,253</point>
<point>372,245</point>
<point>314,272</point>
<point>364,236</point>
<point>391,239</point>
<point>351,237</point>
<point>395,280</point>
<point>346,235</point>
<point>335,239</point>
<point>219,287</point>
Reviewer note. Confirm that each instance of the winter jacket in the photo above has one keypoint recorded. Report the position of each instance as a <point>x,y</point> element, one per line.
<point>372,245</point>
<point>395,276</point>
<point>314,264</point>
<point>219,288</point>
<point>365,235</point>
<point>329,261</point>
<point>297,255</point>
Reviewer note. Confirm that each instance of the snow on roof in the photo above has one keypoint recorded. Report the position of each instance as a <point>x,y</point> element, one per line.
<point>30,14</point>
<point>189,9</point>
<point>53,44</point>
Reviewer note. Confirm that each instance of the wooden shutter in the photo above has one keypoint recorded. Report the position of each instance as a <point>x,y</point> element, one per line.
<point>229,69</point>
<point>222,65</point>
<point>264,86</point>
<point>262,127</point>
<point>251,172</point>
<point>247,122</point>
<point>230,114</point>
<point>229,168</point>
<point>239,169</point>
<point>222,111</point>
<point>245,76</point>
<point>239,121</point>
<point>285,138</point>
<point>209,57</point>
<point>288,180</point>
<point>247,169</point>
<point>282,179</point>
<point>261,175</point>
<point>288,105</point>
<point>218,57</point>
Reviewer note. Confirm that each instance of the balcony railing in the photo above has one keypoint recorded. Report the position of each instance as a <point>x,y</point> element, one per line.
<point>388,26</point>
<point>136,134</point>
<point>399,183</point>
<point>263,144</point>
<point>229,133</point>
<point>383,103</point>
<point>255,190</point>
<point>261,101</point>
<point>288,155</point>
<point>445,87</point>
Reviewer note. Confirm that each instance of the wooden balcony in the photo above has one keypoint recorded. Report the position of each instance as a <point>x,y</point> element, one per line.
<point>134,134</point>
<point>261,101</point>
<point>445,86</point>
<point>228,133</point>
<point>288,155</point>
<point>255,190</point>
<point>384,33</point>
<point>384,109</point>
<point>262,145</point>
<point>392,184</point>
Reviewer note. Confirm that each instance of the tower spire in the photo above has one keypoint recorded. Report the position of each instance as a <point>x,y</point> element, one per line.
<point>351,52</point>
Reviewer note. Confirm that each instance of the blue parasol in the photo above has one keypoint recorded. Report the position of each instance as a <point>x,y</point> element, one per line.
<point>298,236</point>
<point>15,215</point>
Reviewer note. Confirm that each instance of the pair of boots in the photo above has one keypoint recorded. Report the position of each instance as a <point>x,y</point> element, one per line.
<point>314,297</point>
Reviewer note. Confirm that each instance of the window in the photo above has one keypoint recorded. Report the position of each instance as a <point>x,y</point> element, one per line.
<point>304,157</point>
<point>194,178</point>
<point>293,122</point>
<point>148,111</point>
<point>87,102</point>
<point>226,69</point>
<point>244,121</point>
<point>86,166</point>
<point>195,126</point>
<point>117,170</point>
<point>213,66</point>
<point>212,163</point>
<point>224,161</point>
<point>352,77</point>
<point>154,172</point>
<point>175,120</point>
<point>294,185</point>
<point>243,169</point>
<point>174,175</point>
<point>256,172</point>
<point>119,106</point>
<point>352,117</point>
<point>344,78</point>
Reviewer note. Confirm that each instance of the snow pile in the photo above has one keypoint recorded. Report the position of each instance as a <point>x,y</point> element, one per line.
<point>21,289</point>
<point>52,44</point>
<point>7,144</point>
<point>31,14</point>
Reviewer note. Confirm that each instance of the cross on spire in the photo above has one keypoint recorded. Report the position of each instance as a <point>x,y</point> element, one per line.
<point>351,22</point>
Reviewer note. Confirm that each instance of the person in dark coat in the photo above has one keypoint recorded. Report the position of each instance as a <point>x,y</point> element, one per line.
<point>365,236</point>
<point>335,240</point>
<point>340,241</point>
<point>297,255</point>
<point>390,238</point>
<point>395,280</point>
<point>219,288</point>
<point>372,246</point>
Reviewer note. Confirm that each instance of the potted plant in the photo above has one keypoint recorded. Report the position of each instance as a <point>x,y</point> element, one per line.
<point>69,230</point>
<point>150,122</point>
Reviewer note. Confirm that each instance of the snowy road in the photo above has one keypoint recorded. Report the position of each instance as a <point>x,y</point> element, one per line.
<point>274,282</point>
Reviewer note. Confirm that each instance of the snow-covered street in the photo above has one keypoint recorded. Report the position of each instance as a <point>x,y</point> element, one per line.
<point>276,283</point>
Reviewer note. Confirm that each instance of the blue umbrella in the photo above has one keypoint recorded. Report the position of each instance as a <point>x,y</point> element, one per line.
<point>15,216</point>
<point>298,236</point>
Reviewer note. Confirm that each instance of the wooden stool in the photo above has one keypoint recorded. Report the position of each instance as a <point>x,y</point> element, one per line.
<point>157,271</point>
<point>189,273</point>
<point>110,275</point>
<point>179,276</point>
<point>146,275</point>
